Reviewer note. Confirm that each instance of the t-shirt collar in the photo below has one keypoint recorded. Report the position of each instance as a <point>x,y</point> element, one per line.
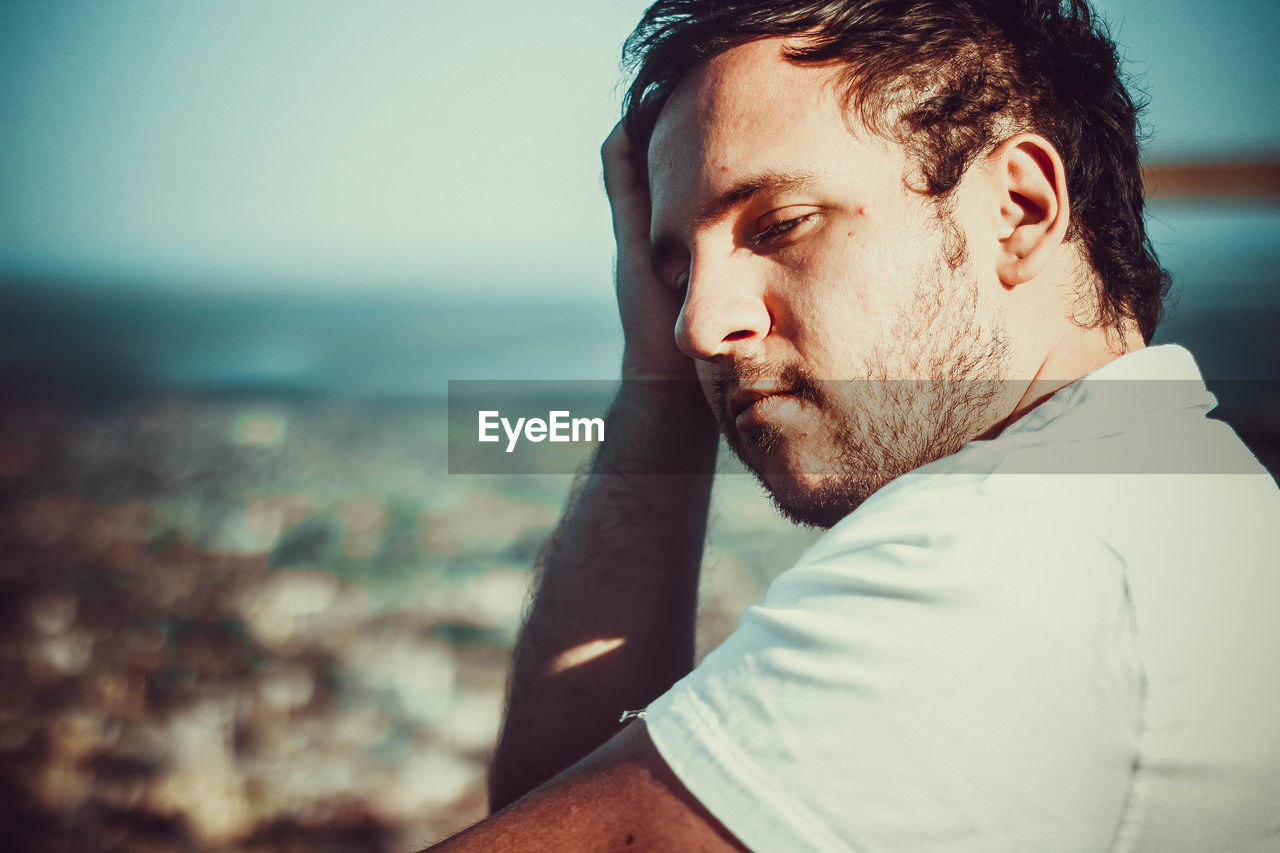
<point>1155,378</point>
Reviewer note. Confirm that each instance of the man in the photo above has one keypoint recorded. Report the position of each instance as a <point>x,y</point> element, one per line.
<point>901,247</point>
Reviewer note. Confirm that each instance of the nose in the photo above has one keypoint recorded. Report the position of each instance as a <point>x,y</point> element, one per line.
<point>722,313</point>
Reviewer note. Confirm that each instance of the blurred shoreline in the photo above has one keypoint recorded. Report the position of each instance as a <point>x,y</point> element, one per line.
<point>101,342</point>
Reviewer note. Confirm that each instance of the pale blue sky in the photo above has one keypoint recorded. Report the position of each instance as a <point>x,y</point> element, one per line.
<point>439,147</point>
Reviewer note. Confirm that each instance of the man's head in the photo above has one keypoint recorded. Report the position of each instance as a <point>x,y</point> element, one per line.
<point>948,79</point>
<point>867,205</point>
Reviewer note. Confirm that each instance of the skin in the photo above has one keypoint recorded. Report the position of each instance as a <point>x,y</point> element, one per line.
<point>856,277</point>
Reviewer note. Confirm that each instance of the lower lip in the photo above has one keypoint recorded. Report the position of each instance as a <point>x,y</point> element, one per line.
<point>775,408</point>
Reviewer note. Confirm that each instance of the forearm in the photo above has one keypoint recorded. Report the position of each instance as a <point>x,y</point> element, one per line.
<point>612,623</point>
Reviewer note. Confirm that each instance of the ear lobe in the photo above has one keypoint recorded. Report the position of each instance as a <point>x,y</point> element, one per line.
<point>1034,209</point>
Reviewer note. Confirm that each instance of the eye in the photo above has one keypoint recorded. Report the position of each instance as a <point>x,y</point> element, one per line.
<point>783,231</point>
<point>681,283</point>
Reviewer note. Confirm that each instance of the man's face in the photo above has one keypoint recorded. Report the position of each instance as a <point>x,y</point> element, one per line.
<point>842,331</point>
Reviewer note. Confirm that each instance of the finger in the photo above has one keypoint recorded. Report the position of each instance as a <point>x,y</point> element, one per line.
<point>618,155</point>
<point>627,189</point>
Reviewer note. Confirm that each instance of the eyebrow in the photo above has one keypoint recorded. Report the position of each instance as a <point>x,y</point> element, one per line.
<point>664,246</point>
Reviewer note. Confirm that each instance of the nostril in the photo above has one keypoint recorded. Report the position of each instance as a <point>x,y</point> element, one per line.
<point>738,335</point>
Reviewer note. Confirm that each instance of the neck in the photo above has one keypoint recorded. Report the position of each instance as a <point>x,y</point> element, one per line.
<point>1076,353</point>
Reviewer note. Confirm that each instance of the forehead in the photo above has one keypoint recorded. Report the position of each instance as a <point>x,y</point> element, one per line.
<point>747,110</point>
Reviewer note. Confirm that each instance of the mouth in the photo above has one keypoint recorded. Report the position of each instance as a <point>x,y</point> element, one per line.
<point>753,406</point>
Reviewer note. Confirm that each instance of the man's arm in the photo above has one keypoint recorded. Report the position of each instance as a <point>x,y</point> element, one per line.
<point>611,627</point>
<point>621,797</point>
<point>612,621</point>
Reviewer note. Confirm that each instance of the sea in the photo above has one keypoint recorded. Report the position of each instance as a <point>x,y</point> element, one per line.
<point>100,342</point>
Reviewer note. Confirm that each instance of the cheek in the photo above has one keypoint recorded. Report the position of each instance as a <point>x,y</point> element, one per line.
<point>849,282</point>
<point>851,294</point>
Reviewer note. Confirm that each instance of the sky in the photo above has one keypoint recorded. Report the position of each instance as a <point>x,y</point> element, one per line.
<point>430,147</point>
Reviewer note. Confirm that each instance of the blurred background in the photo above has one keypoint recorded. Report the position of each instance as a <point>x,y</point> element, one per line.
<point>243,246</point>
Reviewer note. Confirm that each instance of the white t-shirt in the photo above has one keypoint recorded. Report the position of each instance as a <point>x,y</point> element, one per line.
<point>1063,639</point>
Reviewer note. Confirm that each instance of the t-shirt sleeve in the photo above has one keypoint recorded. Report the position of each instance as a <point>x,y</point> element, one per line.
<point>934,675</point>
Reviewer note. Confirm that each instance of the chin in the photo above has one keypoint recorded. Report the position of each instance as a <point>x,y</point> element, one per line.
<point>820,506</point>
<point>807,491</point>
<point>820,471</point>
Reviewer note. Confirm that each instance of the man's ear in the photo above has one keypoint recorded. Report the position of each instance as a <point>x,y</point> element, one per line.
<point>1034,209</point>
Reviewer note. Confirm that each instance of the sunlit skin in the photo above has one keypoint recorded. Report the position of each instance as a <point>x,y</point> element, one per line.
<point>805,253</point>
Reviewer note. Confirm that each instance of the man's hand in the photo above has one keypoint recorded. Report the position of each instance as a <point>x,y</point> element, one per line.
<point>647,306</point>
